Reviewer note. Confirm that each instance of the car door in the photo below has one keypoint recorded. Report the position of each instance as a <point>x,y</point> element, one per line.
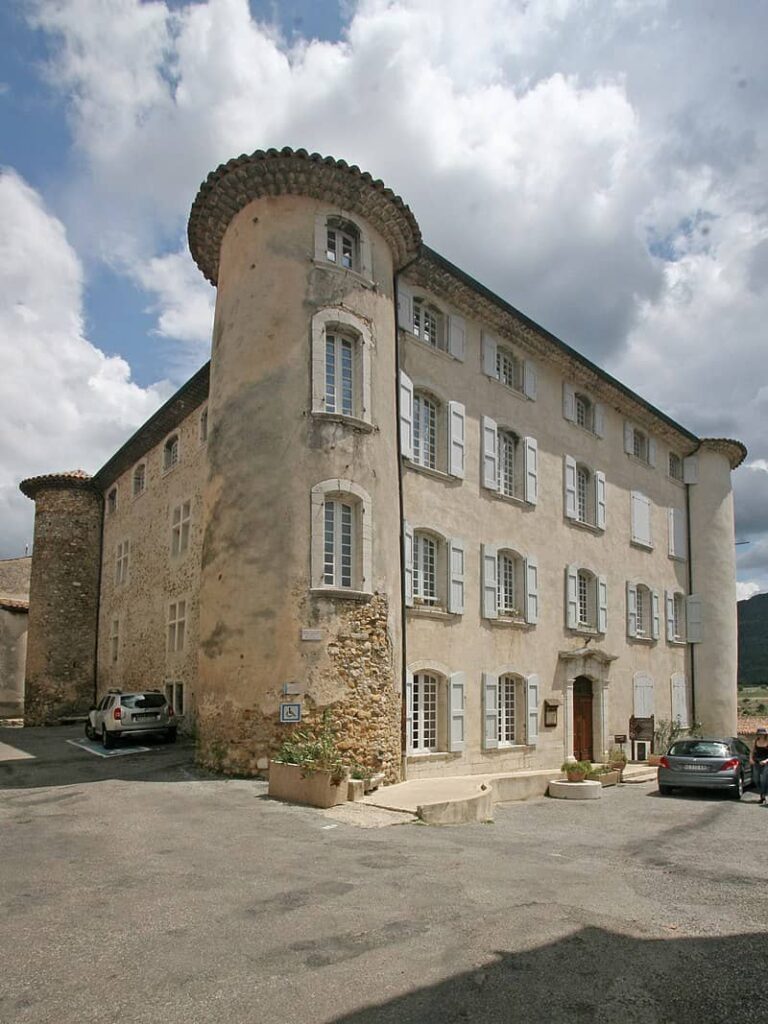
<point>98,716</point>
<point>743,752</point>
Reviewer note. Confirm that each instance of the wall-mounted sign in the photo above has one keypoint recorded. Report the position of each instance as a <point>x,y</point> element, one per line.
<point>620,738</point>
<point>290,713</point>
<point>292,689</point>
<point>311,634</point>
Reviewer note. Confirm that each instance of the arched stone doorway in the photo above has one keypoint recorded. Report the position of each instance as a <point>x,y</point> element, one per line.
<point>583,736</point>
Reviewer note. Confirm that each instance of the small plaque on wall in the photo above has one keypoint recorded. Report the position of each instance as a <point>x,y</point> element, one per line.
<point>290,713</point>
<point>311,634</point>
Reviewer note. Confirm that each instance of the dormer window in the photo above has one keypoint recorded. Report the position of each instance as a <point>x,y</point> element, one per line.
<point>171,452</point>
<point>342,245</point>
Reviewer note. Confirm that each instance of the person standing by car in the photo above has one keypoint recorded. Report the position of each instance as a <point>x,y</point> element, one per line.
<point>759,762</point>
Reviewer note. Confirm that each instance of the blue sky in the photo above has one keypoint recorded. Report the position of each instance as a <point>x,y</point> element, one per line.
<point>600,165</point>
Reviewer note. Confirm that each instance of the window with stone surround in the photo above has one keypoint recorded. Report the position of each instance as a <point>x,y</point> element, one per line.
<point>676,616</point>
<point>341,543</point>
<point>139,479</point>
<point>675,466</point>
<point>434,571</point>
<point>122,556</point>
<point>341,366</point>
<point>639,444</point>
<point>171,452</point>
<point>341,244</point>
<point>177,625</point>
<point>643,611</point>
<point>584,493</point>
<point>586,600</point>
<point>180,524</point>
<point>510,709</point>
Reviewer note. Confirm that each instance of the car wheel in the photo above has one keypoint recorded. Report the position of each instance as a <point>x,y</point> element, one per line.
<point>171,735</point>
<point>107,740</point>
<point>738,790</point>
<point>664,790</point>
<point>89,733</point>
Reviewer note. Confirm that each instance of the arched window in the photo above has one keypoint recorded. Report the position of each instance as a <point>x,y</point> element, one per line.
<point>341,354</point>
<point>171,452</point>
<point>342,243</point>
<point>340,372</point>
<point>341,537</point>
<point>426,416</point>
<point>508,369</point>
<point>429,324</point>
<point>139,479</point>
<point>675,466</point>
<point>425,705</point>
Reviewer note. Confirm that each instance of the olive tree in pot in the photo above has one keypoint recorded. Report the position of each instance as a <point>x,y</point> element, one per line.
<point>576,771</point>
<point>308,768</point>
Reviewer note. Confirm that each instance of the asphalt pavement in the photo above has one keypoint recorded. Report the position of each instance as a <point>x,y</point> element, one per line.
<point>139,889</point>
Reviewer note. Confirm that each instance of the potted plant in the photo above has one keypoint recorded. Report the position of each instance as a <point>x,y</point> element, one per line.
<point>308,768</point>
<point>576,771</point>
<point>617,759</point>
<point>604,774</point>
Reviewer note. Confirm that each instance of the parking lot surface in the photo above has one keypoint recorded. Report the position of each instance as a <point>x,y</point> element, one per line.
<point>139,889</point>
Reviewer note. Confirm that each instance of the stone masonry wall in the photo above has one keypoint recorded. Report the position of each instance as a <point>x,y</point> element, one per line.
<point>63,604</point>
<point>367,718</point>
<point>14,577</point>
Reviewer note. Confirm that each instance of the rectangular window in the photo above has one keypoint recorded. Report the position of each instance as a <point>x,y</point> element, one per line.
<point>581,411</point>
<point>507,586</point>
<point>424,569</point>
<point>177,625</point>
<point>427,324</point>
<point>339,374</point>
<point>340,248</point>
<point>678,617</point>
<point>424,720</point>
<point>114,640</point>
<point>582,495</point>
<point>584,603</point>
<point>507,368</point>
<point>507,711</point>
<point>121,562</point>
<point>139,479</point>
<point>424,432</point>
<point>174,694</point>
<point>507,459</point>
<point>338,544</point>
<point>180,528</point>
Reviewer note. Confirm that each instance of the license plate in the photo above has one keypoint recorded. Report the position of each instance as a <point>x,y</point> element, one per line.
<point>695,767</point>
<point>144,714</point>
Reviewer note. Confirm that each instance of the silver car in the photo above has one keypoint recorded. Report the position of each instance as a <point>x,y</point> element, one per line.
<point>131,714</point>
<point>721,763</point>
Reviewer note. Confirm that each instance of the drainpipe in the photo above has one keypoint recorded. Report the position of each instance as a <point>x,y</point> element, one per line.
<point>691,647</point>
<point>98,606</point>
<point>401,505</point>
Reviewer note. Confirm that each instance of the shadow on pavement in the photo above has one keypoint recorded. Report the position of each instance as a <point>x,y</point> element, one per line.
<point>597,977</point>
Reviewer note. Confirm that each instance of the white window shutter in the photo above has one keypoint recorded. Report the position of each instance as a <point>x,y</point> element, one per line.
<point>629,439</point>
<point>671,531</point>
<point>691,469</point>
<point>600,508</point>
<point>532,709</point>
<point>569,482</point>
<point>569,402</point>
<point>490,576</point>
<point>529,379</point>
<point>456,686</point>
<point>408,708</point>
<point>456,577</point>
<point>669,602</point>
<point>490,711</point>
<point>680,709</point>
<point>404,307</point>
<point>651,451</point>
<point>599,419</point>
<point>490,346</point>
<point>531,589</point>
<point>457,332</point>
<point>531,470</point>
<point>602,604</point>
<point>408,567</point>
<point>456,439</point>
<point>571,597</point>
<point>406,415</point>
<point>490,454</point>
<point>631,609</point>
<point>694,619</point>
<point>655,614</point>
<point>641,519</point>
<point>678,533</point>
<point>643,695</point>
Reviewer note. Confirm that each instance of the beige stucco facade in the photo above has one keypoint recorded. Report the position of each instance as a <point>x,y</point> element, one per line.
<point>272,612</point>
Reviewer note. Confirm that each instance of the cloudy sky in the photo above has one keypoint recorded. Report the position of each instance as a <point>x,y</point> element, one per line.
<point>604,166</point>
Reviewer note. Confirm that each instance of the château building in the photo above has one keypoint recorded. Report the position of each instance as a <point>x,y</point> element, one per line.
<point>392,494</point>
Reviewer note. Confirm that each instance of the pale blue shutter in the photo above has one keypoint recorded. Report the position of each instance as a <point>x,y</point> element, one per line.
<point>456,684</point>
<point>569,402</point>
<point>651,451</point>
<point>456,439</point>
<point>670,607</point>
<point>569,483</point>
<point>600,506</point>
<point>406,415</point>
<point>531,450</point>
<point>490,454</point>
<point>490,711</point>
<point>691,469</point>
<point>408,709</point>
<point>456,577</point>
<point>532,709</point>
<point>602,604</point>
<point>404,307</point>
<point>408,567</point>
<point>655,614</point>
<point>599,419</point>
<point>529,379</point>
<point>490,576</point>
<point>531,590</point>
<point>456,337</point>
<point>490,346</point>
<point>631,609</point>
<point>694,619</point>
<point>571,596</point>
<point>629,439</point>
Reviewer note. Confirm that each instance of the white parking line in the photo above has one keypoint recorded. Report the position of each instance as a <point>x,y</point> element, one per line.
<point>9,753</point>
<point>94,748</point>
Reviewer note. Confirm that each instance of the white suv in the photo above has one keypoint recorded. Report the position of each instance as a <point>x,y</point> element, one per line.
<point>130,714</point>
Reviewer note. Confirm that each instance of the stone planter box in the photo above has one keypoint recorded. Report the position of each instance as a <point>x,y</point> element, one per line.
<point>611,778</point>
<point>316,789</point>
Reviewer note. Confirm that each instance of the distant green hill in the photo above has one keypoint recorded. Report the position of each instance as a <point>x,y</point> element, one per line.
<point>753,640</point>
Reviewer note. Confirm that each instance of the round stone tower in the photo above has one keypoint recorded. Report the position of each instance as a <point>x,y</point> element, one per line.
<point>63,596</point>
<point>712,607</point>
<point>300,583</point>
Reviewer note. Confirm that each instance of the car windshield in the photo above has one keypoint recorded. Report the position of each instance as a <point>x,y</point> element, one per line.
<point>698,748</point>
<point>142,700</point>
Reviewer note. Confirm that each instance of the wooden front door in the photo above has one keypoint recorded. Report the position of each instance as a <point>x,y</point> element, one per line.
<point>582,719</point>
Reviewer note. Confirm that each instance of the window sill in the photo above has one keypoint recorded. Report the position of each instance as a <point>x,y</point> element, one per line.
<point>675,480</point>
<point>642,640</point>
<point>517,392</point>
<point>511,499</point>
<point>341,594</point>
<point>585,430</point>
<point>638,461</point>
<point>356,275</point>
<point>508,748</point>
<point>169,470</point>
<point>444,353</point>
<point>413,757</point>
<point>581,525</point>
<point>678,558</point>
<point>436,474</point>
<point>639,544</point>
<point>585,631</point>
<point>349,421</point>
<point>677,642</point>
<point>428,611</point>
<point>507,622</point>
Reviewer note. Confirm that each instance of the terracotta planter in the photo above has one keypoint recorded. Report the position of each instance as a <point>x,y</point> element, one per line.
<point>619,766</point>
<point>316,789</point>
<point>605,778</point>
<point>576,776</point>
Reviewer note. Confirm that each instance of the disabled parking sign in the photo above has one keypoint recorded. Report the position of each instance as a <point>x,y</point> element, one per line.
<point>290,713</point>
